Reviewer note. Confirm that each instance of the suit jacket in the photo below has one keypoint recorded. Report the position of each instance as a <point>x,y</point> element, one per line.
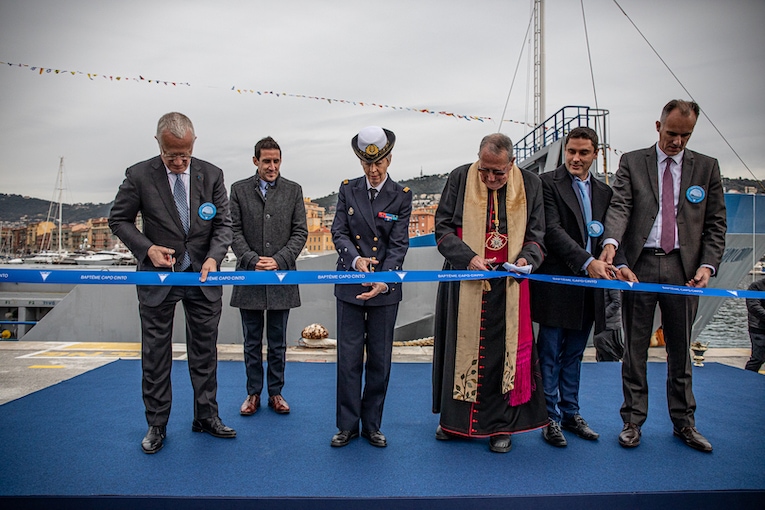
<point>635,205</point>
<point>567,306</point>
<point>358,230</point>
<point>146,190</point>
<point>272,227</point>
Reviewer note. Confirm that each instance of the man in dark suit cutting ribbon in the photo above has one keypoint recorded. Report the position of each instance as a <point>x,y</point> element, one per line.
<point>667,218</point>
<point>186,227</point>
<point>575,205</point>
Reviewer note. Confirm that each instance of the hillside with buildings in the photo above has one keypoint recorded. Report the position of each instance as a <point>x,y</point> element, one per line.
<point>29,225</point>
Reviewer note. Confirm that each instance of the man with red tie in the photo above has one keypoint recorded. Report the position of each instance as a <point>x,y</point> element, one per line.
<point>667,218</point>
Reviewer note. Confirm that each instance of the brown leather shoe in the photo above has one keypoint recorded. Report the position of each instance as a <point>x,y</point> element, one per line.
<point>694,439</point>
<point>250,405</point>
<point>630,435</point>
<point>278,404</point>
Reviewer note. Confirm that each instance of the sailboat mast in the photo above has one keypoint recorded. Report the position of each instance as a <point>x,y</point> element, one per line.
<point>60,207</point>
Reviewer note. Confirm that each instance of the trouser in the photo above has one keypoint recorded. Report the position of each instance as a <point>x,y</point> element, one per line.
<point>758,350</point>
<point>560,357</point>
<point>678,313</point>
<point>360,327</point>
<point>276,338</point>
<point>202,318</point>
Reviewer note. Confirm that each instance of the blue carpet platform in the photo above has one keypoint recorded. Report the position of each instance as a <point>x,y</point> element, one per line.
<point>77,445</point>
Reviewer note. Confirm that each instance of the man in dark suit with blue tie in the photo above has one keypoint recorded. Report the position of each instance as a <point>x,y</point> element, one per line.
<point>667,219</point>
<point>370,233</point>
<point>186,227</point>
<point>575,206</point>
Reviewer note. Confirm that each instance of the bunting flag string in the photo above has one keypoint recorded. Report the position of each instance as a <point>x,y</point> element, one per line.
<point>141,78</point>
<point>428,111</point>
<point>93,76</point>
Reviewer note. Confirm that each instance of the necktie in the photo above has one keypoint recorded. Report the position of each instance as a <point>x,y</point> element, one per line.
<point>586,209</point>
<point>264,188</point>
<point>179,194</point>
<point>372,194</point>
<point>667,210</point>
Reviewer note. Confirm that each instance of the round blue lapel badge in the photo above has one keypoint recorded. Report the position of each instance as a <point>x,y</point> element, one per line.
<point>595,228</point>
<point>695,194</point>
<point>207,211</point>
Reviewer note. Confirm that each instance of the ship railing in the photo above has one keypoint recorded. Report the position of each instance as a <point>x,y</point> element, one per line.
<point>557,126</point>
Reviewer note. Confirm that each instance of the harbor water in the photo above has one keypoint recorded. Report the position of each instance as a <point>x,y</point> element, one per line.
<point>728,328</point>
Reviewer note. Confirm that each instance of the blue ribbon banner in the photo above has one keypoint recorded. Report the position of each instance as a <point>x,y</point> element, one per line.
<point>77,277</point>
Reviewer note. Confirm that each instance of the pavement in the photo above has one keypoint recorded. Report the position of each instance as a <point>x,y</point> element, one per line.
<point>26,367</point>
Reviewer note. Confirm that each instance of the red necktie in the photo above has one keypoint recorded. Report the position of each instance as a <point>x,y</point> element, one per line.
<point>667,210</point>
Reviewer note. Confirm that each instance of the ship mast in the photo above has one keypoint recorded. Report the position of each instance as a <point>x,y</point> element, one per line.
<point>539,63</point>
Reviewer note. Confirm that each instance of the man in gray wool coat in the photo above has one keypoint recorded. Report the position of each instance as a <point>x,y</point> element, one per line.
<point>269,224</point>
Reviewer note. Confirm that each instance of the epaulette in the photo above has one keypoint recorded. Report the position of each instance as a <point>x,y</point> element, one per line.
<point>345,181</point>
<point>406,190</point>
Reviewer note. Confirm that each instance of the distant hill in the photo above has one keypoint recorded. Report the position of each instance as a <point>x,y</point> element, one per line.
<point>428,184</point>
<point>18,209</point>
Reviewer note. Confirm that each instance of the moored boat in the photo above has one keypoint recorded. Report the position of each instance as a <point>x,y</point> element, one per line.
<point>96,259</point>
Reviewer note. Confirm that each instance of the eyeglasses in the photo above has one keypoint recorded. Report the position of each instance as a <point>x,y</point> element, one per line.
<point>172,157</point>
<point>496,172</point>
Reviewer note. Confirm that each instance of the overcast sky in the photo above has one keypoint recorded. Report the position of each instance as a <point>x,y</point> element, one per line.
<point>439,55</point>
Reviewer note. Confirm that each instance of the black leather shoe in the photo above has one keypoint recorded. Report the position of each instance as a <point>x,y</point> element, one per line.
<point>214,427</point>
<point>630,435</point>
<point>343,437</point>
<point>441,435</point>
<point>501,443</point>
<point>375,438</point>
<point>578,426</point>
<point>152,443</point>
<point>553,435</point>
<point>694,439</point>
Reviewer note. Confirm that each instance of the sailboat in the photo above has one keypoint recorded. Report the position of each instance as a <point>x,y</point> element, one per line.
<point>46,255</point>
